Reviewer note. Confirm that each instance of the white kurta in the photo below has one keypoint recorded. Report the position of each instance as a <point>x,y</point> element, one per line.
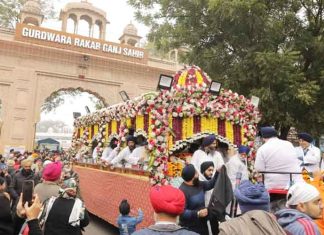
<point>311,159</point>
<point>123,155</point>
<point>105,154</point>
<point>113,154</point>
<point>138,154</point>
<point>201,156</point>
<point>278,156</point>
<point>235,165</point>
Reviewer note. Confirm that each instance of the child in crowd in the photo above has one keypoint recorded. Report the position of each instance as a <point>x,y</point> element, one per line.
<point>127,224</point>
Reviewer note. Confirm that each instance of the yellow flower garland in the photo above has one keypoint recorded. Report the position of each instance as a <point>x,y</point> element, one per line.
<point>95,129</point>
<point>200,79</point>
<point>107,132</point>
<point>229,131</point>
<point>170,137</point>
<point>182,78</point>
<point>81,131</point>
<point>114,127</point>
<point>128,122</point>
<point>139,122</point>
<point>89,136</point>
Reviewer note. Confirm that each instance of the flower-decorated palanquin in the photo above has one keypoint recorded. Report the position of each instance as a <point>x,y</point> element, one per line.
<point>171,120</point>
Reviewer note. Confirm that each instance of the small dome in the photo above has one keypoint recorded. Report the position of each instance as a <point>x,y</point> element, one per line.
<point>130,29</point>
<point>32,6</point>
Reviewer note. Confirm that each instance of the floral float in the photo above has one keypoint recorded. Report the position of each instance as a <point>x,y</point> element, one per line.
<point>173,119</point>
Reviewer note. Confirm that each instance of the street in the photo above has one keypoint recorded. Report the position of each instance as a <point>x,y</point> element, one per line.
<point>98,226</point>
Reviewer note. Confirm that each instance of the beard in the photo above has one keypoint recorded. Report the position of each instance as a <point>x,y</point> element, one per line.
<point>195,181</point>
<point>26,172</point>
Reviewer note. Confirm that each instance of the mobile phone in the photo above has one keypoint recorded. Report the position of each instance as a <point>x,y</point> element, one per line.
<point>28,191</point>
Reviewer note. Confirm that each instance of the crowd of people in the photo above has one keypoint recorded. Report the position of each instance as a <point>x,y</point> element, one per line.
<point>55,206</point>
<point>218,193</point>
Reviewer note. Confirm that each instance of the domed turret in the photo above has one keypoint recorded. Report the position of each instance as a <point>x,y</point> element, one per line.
<point>130,36</point>
<point>31,13</point>
<point>84,10</point>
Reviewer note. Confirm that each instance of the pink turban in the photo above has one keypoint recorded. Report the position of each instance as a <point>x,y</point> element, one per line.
<point>52,171</point>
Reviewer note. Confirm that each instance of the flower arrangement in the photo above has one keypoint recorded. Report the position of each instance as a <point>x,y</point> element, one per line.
<point>172,119</point>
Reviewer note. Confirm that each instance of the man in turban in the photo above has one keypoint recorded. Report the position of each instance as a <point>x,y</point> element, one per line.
<point>195,215</point>
<point>51,176</point>
<point>207,153</point>
<point>276,155</point>
<point>168,203</point>
<point>304,204</point>
<point>122,158</point>
<point>308,154</point>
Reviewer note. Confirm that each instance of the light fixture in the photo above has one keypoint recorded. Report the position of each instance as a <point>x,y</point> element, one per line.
<point>165,82</point>
<point>215,87</point>
<point>255,101</point>
<point>87,109</point>
<point>76,115</point>
<point>124,95</point>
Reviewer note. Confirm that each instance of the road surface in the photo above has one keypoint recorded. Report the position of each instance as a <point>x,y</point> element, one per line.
<point>98,226</point>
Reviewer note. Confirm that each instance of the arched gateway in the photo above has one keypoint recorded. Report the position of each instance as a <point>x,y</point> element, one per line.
<point>35,62</point>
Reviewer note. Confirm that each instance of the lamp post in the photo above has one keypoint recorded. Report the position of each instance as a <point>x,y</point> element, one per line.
<point>165,82</point>
<point>124,95</point>
<point>215,87</point>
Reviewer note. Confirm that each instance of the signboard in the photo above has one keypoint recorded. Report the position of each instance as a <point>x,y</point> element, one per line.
<point>20,149</point>
<point>74,42</point>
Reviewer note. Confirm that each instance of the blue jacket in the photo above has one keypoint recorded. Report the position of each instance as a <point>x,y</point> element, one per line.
<point>296,223</point>
<point>127,224</point>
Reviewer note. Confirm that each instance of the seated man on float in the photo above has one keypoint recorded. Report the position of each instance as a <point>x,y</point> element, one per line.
<point>122,158</point>
<point>140,154</point>
<point>304,205</point>
<point>108,150</point>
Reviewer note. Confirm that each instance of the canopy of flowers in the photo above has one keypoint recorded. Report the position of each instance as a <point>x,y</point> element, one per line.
<point>188,97</point>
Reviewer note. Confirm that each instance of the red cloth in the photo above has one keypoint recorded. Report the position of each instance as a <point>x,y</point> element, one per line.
<point>167,199</point>
<point>52,171</point>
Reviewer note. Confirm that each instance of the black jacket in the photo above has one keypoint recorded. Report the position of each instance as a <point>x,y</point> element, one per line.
<point>57,222</point>
<point>16,184</point>
<point>6,221</point>
<point>221,196</point>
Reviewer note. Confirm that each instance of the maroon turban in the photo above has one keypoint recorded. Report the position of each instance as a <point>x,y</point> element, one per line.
<point>167,199</point>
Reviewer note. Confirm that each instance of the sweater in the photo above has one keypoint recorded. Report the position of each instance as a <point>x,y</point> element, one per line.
<point>195,201</point>
<point>57,222</point>
<point>296,223</point>
<point>46,190</point>
<point>164,229</point>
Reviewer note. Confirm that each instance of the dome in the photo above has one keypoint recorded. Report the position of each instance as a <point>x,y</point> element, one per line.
<point>32,6</point>
<point>130,29</point>
<point>191,76</point>
<point>75,6</point>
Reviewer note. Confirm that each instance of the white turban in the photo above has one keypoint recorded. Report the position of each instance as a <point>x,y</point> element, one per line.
<point>300,193</point>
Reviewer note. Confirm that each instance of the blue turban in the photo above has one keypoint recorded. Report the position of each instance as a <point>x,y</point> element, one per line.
<point>244,149</point>
<point>268,132</point>
<point>306,137</point>
<point>208,140</point>
<point>188,172</point>
<point>252,196</point>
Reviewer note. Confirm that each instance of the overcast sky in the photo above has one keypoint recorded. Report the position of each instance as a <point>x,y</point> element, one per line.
<point>119,14</point>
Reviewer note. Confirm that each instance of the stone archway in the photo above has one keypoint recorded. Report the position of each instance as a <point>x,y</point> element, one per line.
<point>71,91</point>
